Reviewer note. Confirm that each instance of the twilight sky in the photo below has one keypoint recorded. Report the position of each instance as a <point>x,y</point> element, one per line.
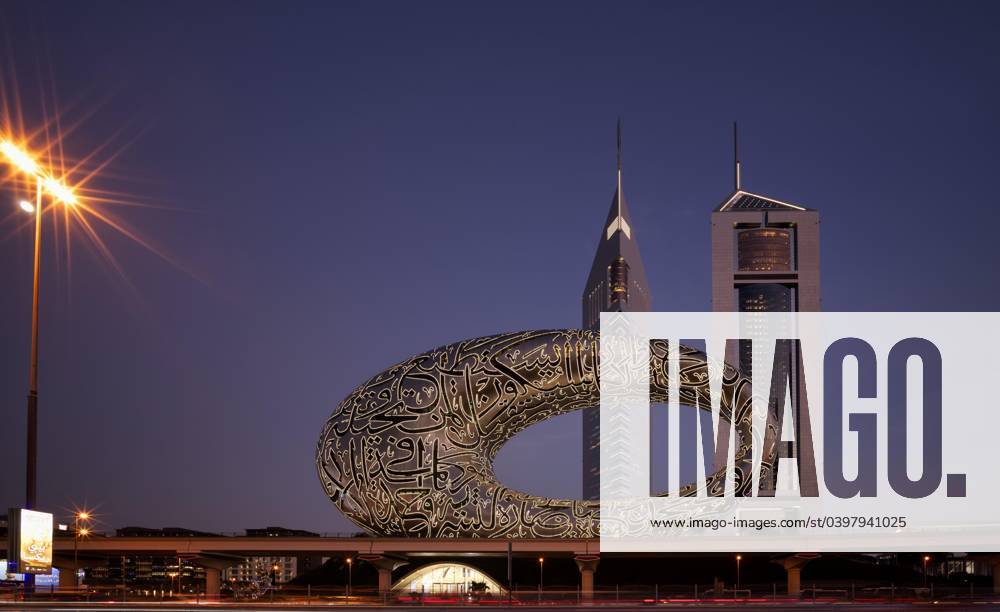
<point>346,185</point>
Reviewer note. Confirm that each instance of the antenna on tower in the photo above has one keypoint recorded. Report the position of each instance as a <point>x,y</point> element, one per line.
<point>619,167</point>
<point>619,144</point>
<point>736,157</point>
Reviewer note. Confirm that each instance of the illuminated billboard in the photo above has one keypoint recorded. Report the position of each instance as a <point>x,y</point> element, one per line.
<point>30,541</point>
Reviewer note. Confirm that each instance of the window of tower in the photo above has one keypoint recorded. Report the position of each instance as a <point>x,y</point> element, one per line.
<point>765,249</point>
<point>618,281</point>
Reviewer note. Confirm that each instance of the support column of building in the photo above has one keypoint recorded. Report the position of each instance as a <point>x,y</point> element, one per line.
<point>793,566</point>
<point>385,565</point>
<point>587,565</point>
<point>995,560</point>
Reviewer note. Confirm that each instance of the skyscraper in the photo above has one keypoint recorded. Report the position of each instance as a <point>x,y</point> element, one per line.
<point>617,283</point>
<point>765,258</point>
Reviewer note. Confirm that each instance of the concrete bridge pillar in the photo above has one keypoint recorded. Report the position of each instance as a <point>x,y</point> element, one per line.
<point>587,564</point>
<point>794,581</point>
<point>793,566</point>
<point>67,578</point>
<point>214,567</point>
<point>385,565</point>
<point>384,579</point>
<point>67,566</point>
<point>213,583</point>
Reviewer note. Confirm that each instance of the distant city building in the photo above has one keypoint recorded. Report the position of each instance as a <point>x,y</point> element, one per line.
<point>261,570</point>
<point>148,574</point>
<point>280,532</point>
<point>617,283</point>
<point>165,532</point>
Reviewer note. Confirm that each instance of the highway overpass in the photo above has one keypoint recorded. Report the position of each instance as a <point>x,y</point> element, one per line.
<point>216,553</point>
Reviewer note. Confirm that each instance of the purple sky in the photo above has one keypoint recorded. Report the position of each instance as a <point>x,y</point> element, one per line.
<point>353,184</point>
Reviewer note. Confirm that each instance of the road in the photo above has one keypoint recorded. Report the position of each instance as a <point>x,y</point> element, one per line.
<point>803,605</point>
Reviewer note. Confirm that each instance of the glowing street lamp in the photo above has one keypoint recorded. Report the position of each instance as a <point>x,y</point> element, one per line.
<point>26,163</point>
<point>59,191</point>
<point>738,559</point>
<point>79,532</point>
<point>19,158</point>
<point>541,577</point>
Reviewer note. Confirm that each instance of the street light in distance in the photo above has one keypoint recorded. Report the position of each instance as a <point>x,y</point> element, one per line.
<point>738,559</point>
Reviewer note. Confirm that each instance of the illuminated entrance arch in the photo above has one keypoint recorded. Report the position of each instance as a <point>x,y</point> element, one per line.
<point>448,578</point>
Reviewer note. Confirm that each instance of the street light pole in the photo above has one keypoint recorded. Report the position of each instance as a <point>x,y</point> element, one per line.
<point>24,162</point>
<point>541,577</point>
<point>738,559</point>
<point>31,447</point>
<point>350,577</point>
<point>77,534</point>
<point>76,542</point>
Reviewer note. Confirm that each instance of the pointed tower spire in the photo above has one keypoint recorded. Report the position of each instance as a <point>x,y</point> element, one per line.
<point>619,166</point>
<point>617,220</point>
<point>736,158</point>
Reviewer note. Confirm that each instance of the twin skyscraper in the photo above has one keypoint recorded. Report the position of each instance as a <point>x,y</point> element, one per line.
<point>765,257</point>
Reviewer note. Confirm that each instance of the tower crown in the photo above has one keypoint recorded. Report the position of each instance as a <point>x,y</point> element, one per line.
<point>619,223</point>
